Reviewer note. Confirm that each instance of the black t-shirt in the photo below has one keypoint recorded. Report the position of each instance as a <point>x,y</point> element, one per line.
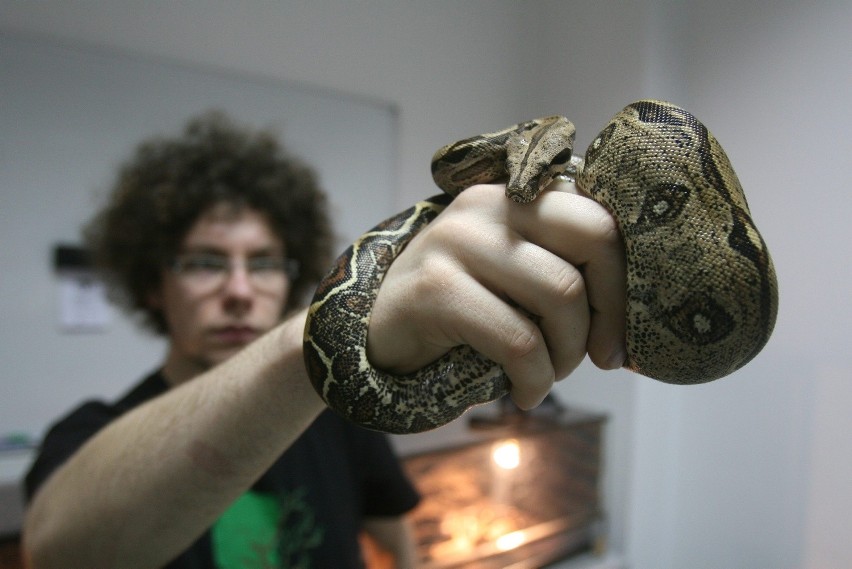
<point>305,511</point>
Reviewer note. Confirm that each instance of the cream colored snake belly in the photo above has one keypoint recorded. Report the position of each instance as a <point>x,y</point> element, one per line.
<point>702,294</point>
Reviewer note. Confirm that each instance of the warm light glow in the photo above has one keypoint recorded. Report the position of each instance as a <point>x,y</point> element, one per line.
<point>507,454</point>
<point>511,540</point>
<point>468,528</point>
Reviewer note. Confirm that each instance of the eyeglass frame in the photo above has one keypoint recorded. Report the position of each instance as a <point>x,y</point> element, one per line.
<point>218,267</point>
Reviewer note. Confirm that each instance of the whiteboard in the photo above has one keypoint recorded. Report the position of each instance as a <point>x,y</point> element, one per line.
<point>69,115</point>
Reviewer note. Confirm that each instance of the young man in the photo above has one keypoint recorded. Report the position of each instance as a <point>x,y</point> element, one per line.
<point>205,236</point>
<point>225,455</point>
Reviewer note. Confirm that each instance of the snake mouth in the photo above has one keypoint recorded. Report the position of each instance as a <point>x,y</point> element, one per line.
<point>518,196</point>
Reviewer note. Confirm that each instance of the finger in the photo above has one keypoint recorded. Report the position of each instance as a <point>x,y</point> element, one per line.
<point>511,339</point>
<point>583,233</point>
<point>550,290</point>
<point>607,332</point>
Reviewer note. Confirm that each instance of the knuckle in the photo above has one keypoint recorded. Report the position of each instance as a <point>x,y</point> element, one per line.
<point>607,225</point>
<point>479,198</point>
<point>524,341</point>
<point>444,229</point>
<point>467,199</point>
<point>449,232</point>
<point>435,274</point>
<point>569,285</point>
<point>608,231</point>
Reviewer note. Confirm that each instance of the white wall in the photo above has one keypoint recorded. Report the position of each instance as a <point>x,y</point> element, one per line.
<point>749,472</point>
<point>70,115</point>
<point>763,459</point>
<point>438,63</point>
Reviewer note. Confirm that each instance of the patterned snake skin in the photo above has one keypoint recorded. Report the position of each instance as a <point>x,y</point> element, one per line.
<point>701,288</point>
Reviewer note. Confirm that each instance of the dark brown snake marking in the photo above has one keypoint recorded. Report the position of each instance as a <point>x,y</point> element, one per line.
<point>701,288</point>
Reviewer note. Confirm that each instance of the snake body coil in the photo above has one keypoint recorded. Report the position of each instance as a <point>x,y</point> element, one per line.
<point>701,288</point>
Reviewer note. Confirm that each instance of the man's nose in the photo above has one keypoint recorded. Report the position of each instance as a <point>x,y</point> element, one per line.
<point>238,281</point>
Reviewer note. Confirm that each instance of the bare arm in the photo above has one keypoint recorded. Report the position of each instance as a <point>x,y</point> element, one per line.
<point>187,455</point>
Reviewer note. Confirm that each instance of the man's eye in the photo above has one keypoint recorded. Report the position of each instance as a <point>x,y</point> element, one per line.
<point>205,264</point>
<point>265,264</point>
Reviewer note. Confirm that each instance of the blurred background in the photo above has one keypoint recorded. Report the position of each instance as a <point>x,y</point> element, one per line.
<point>752,471</point>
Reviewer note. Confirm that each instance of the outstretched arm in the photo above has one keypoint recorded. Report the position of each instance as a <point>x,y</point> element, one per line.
<point>147,485</point>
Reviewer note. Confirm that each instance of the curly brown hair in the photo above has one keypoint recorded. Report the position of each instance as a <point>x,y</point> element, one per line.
<point>170,181</point>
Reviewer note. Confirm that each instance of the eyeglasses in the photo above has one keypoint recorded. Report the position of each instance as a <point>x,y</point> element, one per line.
<point>208,271</point>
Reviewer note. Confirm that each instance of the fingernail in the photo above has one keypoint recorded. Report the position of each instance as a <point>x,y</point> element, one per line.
<point>617,358</point>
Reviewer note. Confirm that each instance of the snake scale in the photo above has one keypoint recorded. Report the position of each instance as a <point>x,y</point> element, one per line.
<point>702,294</point>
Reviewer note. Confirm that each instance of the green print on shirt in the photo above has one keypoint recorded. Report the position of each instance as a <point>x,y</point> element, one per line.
<point>264,531</point>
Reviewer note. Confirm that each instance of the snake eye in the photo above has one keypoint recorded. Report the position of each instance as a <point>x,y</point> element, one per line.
<point>561,159</point>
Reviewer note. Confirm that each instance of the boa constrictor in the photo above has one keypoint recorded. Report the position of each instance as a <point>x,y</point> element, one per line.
<point>701,288</point>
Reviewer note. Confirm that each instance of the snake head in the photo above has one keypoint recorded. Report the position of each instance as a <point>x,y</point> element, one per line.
<point>536,153</point>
